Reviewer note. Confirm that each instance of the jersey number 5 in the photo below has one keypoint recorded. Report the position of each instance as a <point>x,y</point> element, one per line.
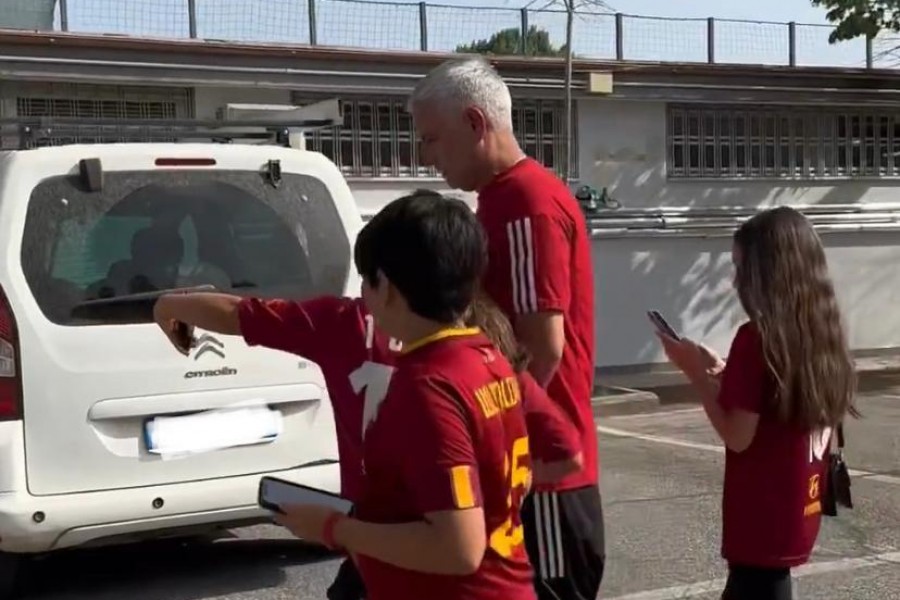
<point>509,536</point>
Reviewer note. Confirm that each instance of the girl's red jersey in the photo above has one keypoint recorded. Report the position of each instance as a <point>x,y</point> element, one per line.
<point>772,502</point>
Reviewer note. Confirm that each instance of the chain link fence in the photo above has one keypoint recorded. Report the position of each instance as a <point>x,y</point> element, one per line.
<point>386,25</point>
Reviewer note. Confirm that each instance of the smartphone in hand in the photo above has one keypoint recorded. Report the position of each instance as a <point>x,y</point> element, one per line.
<point>662,325</point>
<point>184,336</point>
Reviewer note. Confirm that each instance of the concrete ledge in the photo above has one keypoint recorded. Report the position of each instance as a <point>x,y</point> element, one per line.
<point>612,400</point>
<point>878,364</point>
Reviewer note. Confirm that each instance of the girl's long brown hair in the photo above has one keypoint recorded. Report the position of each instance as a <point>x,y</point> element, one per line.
<point>487,316</point>
<point>783,283</point>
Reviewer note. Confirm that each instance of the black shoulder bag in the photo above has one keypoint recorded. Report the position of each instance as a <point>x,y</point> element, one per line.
<point>837,484</point>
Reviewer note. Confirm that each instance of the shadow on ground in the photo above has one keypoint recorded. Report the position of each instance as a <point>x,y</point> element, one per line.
<point>189,569</point>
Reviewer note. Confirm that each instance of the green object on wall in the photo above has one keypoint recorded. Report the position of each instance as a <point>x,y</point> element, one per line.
<point>33,15</point>
<point>591,200</point>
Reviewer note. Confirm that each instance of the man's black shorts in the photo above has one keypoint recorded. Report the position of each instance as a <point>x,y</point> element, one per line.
<point>565,540</point>
<point>757,583</point>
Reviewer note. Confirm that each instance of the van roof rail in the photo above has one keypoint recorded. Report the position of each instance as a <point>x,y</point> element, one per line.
<point>283,125</point>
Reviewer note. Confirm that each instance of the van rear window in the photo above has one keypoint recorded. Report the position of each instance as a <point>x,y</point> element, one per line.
<point>148,231</point>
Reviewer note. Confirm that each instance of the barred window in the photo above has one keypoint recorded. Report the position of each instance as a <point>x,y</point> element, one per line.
<point>781,142</point>
<point>378,138</point>
<point>103,102</point>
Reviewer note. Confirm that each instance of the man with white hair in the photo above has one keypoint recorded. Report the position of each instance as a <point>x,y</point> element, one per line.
<point>540,273</point>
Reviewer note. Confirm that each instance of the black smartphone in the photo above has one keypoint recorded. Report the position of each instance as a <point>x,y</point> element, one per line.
<point>275,493</point>
<point>662,325</point>
<point>186,339</point>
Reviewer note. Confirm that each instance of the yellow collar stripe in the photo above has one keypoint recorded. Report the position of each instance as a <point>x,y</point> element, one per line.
<point>440,335</point>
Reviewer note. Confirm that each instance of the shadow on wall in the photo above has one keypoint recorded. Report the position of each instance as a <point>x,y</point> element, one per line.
<point>864,269</point>
<point>637,185</point>
<point>689,280</point>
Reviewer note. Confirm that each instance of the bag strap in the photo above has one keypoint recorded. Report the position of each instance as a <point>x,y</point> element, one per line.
<point>840,436</point>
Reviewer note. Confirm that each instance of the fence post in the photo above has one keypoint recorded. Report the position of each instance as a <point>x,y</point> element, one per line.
<point>711,40</point>
<point>423,26</point>
<point>523,40</point>
<point>869,58</point>
<point>620,36</point>
<point>63,15</point>
<point>792,44</point>
<point>311,16</point>
<point>192,18</point>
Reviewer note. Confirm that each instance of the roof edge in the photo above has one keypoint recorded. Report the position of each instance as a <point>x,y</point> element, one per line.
<point>57,39</point>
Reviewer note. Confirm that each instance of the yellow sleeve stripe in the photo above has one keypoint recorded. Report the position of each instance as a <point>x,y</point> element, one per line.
<point>461,480</point>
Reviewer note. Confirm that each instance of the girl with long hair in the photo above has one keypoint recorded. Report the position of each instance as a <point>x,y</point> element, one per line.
<point>788,383</point>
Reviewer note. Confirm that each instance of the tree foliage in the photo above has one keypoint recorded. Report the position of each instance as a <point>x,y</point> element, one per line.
<point>507,41</point>
<point>855,18</point>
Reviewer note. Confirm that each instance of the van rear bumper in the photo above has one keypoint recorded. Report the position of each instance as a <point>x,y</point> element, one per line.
<point>76,519</point>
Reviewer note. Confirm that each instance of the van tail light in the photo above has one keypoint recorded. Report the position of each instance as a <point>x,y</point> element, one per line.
<point>10,373</point>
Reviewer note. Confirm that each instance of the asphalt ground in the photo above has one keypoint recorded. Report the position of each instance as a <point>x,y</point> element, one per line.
<point>661,484</point>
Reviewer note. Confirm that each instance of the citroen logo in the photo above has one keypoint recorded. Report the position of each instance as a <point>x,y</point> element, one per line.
<point>207,343</point>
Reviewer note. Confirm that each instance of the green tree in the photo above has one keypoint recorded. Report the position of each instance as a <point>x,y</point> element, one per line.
<point>855,18</point>
<point>507,41</point>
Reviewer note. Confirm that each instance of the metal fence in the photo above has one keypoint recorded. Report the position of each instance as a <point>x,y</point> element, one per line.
<point>424,26</point>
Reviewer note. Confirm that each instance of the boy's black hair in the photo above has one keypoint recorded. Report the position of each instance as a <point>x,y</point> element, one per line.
<point>433,250</point>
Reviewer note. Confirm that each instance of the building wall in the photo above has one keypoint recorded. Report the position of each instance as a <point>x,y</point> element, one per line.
<point>372,195</point>
<point>689,279</point>
<point>623,146</point>
<point>209,99</point>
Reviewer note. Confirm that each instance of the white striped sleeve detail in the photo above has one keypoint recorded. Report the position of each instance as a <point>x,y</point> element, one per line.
<point>539,531</point>
<point>521,265</point>
<point>551,558</point>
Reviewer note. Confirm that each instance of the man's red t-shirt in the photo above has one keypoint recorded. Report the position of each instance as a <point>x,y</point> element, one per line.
<point>339,335</point>
<point>539,260</point>
<point>772,504</point>
<point>450,435</point>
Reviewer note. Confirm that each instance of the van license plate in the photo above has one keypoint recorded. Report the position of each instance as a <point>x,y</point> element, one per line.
<point>212,430</point>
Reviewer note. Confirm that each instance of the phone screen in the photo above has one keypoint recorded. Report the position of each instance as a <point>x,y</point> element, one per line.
<point>662,325</point>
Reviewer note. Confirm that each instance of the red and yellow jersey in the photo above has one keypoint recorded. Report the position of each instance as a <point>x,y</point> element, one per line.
<point>772,502</point>
<point>450,435</point>
<point>340,336</point>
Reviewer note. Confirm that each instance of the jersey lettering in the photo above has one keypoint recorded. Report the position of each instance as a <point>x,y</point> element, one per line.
<point>510,536</point>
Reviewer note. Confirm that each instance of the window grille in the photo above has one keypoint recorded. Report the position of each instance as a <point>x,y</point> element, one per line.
<point>378,138</point>
<point>103,102</point>
<point>781,142</point>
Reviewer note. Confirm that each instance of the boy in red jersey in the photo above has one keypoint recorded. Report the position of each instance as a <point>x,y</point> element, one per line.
<point>336,333</point>
<point>540,274</point>
<point>446,458</point>
<point>339,335</point>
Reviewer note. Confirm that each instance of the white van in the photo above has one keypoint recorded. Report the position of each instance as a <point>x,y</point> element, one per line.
<point>90,234</point>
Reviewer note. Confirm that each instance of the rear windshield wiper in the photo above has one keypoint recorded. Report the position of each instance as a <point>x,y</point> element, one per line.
<point>129,308</point>
<point>142,296</point>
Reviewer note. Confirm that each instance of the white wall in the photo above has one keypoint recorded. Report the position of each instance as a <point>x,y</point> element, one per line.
<point>689,279</point>
<point>209,99</point>
<point>622,145</point>
<point>372,195</point>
